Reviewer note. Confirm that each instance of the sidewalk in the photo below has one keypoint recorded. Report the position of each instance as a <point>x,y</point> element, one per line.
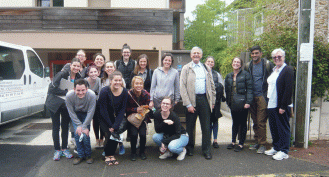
<point>224,163</point>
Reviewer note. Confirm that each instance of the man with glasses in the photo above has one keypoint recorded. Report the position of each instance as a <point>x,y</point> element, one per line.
<point>260,69</point>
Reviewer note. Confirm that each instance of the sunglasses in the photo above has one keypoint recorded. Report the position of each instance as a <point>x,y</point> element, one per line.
<point>277,57</point>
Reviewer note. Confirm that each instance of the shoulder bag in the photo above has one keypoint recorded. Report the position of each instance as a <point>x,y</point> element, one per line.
<point>135,118</point>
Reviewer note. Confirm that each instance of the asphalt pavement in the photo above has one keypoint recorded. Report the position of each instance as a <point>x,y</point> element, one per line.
<point>27,150</point>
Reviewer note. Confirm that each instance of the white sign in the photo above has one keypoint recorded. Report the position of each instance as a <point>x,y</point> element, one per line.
<point>306,52</point>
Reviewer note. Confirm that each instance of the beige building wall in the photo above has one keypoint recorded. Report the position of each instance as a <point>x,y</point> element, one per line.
<point>75,3</point>
<point>140,3</point>
<point>99,3</point>
<point>17,3</point>
<point>102,41</point>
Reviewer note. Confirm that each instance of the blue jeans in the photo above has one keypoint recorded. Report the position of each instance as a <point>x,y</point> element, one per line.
<point>175,146</point>
<point>83,147</point>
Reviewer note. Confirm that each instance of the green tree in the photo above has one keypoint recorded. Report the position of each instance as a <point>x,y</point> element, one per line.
<point>207,30</point>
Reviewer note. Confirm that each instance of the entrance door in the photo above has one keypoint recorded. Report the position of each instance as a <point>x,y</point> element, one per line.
<point>56,66</point>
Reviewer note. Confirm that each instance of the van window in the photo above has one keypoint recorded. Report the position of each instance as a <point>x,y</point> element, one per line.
<point>35,64</point>
<point>11,63</point>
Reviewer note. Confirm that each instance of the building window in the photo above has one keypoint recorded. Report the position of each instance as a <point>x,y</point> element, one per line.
<point>50,3</point>
<point>58,3</point>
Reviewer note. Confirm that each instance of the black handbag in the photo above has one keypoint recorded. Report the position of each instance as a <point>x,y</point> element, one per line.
<point>238,102</point>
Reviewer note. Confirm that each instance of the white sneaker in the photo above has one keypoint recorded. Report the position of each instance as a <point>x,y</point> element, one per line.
<point>280,156</point>
<point>272,151</point>
<point>181,156</point>
<point>165,155</point>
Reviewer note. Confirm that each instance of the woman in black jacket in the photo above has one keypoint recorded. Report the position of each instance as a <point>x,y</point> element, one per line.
<point>142,69</point>
<point>112,103</point>
<point>239,96</point>
<point>280,85</point>
<point>56,105</point>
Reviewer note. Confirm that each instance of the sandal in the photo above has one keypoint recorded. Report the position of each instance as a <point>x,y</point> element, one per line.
<point>114,161</point>
<point>108,161</point>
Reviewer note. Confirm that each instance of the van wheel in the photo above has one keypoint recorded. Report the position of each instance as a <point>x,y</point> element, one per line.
<point>45,112</point>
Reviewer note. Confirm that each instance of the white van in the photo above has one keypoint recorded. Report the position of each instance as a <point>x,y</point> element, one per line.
<point>23,82</point>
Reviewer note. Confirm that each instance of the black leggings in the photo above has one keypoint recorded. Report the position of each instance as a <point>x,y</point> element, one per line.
<point>110,147</point>
<point>239,120</point>
<point>134,132</point>
<point>63,123</point>
<point>96,124</point>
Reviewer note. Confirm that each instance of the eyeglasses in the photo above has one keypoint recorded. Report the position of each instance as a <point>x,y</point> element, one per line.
<point>126,52</point>
<point>277,57</point>
<point>166,104</point>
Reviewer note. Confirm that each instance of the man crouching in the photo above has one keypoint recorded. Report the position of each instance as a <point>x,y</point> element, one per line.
<point>81,104</point>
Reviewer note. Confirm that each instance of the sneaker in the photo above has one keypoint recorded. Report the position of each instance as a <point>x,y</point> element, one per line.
<point>89,160</point>
<point>133,157</point>
<point>280,156</point>
<point>254,147</point>
<point>261,149</point>
<point>238,148</point>
<point>77,160</point>
<point>121,150</point>
<point>143,156</point>
<point>215,145</point>
<point>57,155</point>
<point>165,155</point>
<point>66,153</point>
<point>103,154</point>
<point>272,151</point>
<point>231,146</point>
<point>181,156</point>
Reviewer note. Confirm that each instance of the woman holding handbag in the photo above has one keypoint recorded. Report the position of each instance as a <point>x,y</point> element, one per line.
<point>239,96</point>
<point>112,103</point>
<point>137,108</point>
<point>55,102</point>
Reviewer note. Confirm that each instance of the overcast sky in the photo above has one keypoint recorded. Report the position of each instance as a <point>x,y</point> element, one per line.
<point>191,5</point>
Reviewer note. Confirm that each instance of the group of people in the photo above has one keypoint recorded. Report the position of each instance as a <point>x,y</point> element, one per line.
<point>114,94</point>
<point>265,90</point>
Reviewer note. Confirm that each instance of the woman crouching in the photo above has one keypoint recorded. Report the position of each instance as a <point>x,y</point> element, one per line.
<point>170,135</point>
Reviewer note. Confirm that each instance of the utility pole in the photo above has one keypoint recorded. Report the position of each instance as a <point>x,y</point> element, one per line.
<point>304,71</point>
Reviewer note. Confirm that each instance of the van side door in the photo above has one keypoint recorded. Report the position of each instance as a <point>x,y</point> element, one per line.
<point>37,82</point>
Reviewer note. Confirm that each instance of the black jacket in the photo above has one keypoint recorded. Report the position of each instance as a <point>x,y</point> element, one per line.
<point>219,94</point>
<point>148,80</point>
<point>170,132</point>
<point>284,87</point>
<point>126,70</point>
<point>244,86</point>
<point>267,70</point>
<point>53,101</point>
